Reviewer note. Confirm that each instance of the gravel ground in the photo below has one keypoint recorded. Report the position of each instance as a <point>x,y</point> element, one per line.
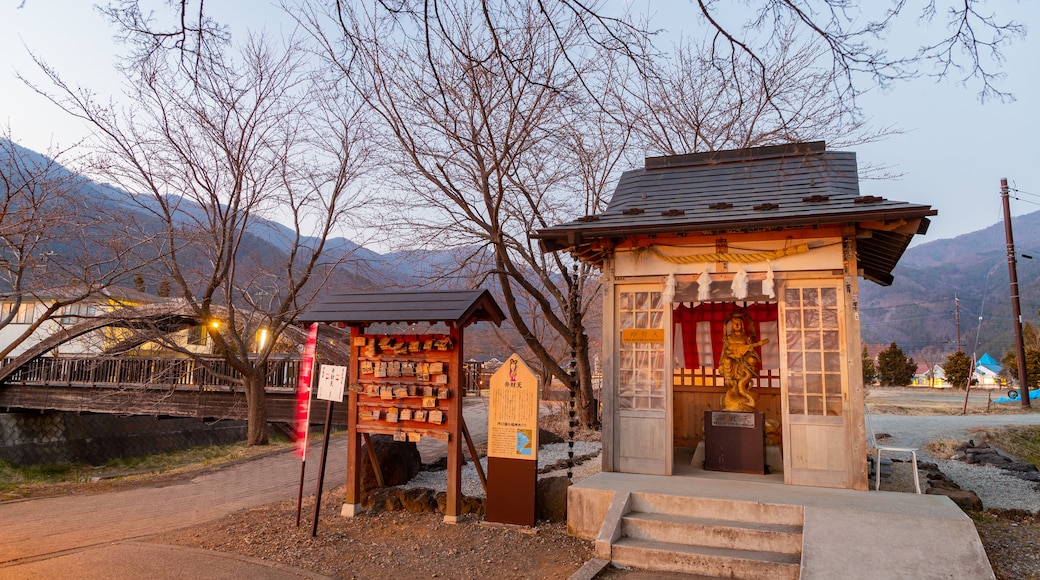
<point>1009,527</point>
<point>398,545</point>
<point>405,545</point>
<point>994,486</point>
<point>585,451</point>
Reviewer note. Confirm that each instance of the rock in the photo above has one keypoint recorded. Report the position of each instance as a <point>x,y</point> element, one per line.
<point>415,500</point>
<point>382,499</point>
<point>929,468</point>
<point>1020,467</point>
<point>548,437</point>
<point>472,505</point>
<point>440,464</point>
<point>419,500</point>
<point>398,460</point>
<point>964,498</point>
<point>944,487</point>
<point>469,505</point>
<point>551,499</point>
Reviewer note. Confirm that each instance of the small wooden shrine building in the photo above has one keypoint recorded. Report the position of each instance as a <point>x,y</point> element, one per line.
<point>405,372</point>
<point>775,236</point>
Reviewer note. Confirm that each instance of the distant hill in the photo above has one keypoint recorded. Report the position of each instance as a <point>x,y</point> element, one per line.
<point>918,310</point>
<point>267,240</point>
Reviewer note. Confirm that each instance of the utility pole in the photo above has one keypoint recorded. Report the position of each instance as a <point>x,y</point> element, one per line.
<point>957,305</point>
<point>1016,308</point>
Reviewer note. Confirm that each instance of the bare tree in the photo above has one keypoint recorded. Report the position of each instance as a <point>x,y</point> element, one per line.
<point>56,248</point>
<point>931,356</point>
<point>483,153</point>
<point>968,46</point>
<point>488,111</point>
<point>211,151</point>
<point>966,43</point>
<point>696,101</point>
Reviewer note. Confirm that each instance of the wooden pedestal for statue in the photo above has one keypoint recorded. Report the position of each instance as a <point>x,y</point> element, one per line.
<point>734,441</point>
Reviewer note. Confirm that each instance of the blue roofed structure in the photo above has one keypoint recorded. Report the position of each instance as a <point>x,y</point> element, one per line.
<point>987,370</point>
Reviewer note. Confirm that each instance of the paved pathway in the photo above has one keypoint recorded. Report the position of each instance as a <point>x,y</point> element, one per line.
<point>96,535</point>
<point>50,527</point>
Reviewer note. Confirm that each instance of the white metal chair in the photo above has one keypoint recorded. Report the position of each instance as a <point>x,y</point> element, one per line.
<point>872,440</point>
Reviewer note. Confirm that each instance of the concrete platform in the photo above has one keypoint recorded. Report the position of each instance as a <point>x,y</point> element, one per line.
<point>846,533</point>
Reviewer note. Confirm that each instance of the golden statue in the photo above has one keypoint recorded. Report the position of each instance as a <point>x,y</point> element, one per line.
<point>739,362</point>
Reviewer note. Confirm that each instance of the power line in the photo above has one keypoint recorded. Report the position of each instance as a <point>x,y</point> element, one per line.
<point>1016,190</point>
<point>1024,200</point>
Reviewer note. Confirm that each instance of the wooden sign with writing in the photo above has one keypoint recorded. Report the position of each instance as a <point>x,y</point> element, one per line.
<point>650,335</point>
<point>513,412</point>
<point>512,444</point>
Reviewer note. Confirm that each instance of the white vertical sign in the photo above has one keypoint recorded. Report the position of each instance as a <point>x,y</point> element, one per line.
<point>331,380</point>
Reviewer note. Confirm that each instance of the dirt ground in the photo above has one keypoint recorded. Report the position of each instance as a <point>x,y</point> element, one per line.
<point>391,544</point>
<point>400,544</point>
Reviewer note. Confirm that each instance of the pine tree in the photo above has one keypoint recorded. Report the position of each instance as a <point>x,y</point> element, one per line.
<point>869,370</point>
<point>164,288</point>
<point>957,368</point>
<point>139,283</point>
<point>894,368</point>
<point>1010,367</point>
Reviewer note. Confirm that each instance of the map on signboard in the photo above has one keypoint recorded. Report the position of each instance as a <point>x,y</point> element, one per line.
<point>524,445</point>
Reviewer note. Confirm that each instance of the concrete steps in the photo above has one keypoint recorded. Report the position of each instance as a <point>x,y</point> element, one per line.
<point>708,537</point>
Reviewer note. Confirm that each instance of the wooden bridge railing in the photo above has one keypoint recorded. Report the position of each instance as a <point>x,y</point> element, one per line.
<point>159,373</point>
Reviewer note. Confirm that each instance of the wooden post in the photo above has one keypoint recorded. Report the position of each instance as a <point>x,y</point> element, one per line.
<point>352,503</point>
<point>321,470</point>
<point>453,509</point>
<point>376,468</point>
<point>473,455</point>
<point>1016,308</point>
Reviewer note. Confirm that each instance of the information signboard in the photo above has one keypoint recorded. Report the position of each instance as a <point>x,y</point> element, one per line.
<point>331,380</point>
<point>513,412</point>
<point>512,445</point>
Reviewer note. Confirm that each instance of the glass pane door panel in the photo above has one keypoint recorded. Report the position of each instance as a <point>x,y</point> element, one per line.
<point>813,351</point>
<point>641,379</point>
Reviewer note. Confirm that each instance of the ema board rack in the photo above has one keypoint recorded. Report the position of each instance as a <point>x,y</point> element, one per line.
<point>404,385</point>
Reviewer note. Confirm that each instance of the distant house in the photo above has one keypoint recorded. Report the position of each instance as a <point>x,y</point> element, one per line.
<point>33,307</point>
<point>105,301</point>
<point>934,376</point>
<point>987,371</point>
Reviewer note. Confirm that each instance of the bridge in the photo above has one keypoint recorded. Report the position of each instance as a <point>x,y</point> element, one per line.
<point>160,386</point>
<point>116,382</point>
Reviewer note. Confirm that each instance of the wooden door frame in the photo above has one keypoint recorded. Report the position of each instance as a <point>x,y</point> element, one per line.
<point>611,368</point>
<point>843,478</point>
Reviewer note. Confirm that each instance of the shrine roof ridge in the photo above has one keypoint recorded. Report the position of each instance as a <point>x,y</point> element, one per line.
<point>458,307</point>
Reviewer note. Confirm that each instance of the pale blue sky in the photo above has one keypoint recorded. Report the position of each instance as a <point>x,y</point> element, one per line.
<point>953,154</point>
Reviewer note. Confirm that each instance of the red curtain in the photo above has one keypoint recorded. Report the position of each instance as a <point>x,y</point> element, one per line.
<point>716,313</point>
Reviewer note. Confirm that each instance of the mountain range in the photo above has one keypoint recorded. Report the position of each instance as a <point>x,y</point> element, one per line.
<point>362,268</point>
<point>918,311</point>
<point>968,273</point>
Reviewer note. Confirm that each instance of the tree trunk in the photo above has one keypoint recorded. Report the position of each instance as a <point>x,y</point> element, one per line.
<point>256,406</point>
<point>587,406</point>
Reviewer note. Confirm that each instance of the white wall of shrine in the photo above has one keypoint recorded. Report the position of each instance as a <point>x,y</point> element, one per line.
<point>818,254</point>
